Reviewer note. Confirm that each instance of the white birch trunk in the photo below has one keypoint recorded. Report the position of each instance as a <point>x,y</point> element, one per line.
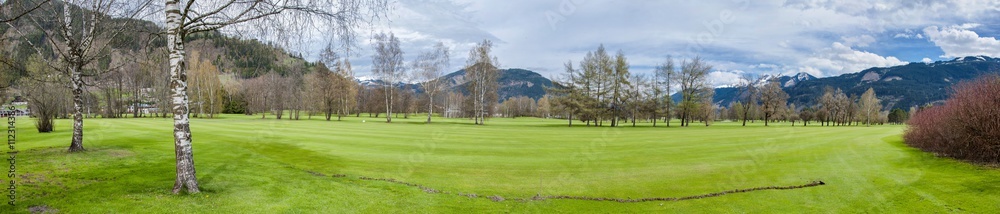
<point>388,104</point>
<point>430,106</point>
<point>76,81</point>
<point>178,82</point>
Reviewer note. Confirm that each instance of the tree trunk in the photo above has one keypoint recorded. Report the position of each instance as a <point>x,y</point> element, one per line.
<point>746,115</point>
<point>570,119</point>
<point>654,117</point>
<point>683,118</point>
<point>430,107</point>
<point>186,178</point>
<point>76,145</point>
<point>388,105</point>
<point>633,118</point>
<point>135,103</point>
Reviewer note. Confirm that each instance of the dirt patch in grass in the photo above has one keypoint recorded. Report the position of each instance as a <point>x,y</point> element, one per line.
<point>42,209</point>
<point>39,179</point>
<point>119,153</point>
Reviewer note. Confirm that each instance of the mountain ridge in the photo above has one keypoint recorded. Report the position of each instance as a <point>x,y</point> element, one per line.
<point>903,86</point>
<point>513,82</point>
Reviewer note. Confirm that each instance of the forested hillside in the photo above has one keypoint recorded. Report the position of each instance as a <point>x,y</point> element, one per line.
<point>904,86</point>
<point>242,57</point>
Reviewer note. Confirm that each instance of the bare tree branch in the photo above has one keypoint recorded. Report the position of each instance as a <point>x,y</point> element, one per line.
<point>25,12</point>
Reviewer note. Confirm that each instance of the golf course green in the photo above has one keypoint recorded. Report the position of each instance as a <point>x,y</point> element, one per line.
<point>247,164</point>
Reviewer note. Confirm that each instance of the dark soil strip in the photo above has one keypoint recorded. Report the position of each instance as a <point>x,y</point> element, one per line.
<point>587,198</point>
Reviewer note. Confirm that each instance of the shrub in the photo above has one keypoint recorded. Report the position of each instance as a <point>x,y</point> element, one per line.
<point>966,127</point>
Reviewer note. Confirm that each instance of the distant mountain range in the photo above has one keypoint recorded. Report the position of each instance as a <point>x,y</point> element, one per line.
<point>902,86</point>
<point>513,82</point>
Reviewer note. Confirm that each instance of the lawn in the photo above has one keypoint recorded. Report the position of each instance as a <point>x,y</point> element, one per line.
<point>250,164</point>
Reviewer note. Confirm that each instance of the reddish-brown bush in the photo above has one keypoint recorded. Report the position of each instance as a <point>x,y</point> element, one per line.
<point>966,127</point>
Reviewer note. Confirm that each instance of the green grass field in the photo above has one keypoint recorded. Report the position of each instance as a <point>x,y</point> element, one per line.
<point>248,164</point>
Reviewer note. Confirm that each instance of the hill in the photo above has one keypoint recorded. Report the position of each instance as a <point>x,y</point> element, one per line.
<point>513,82</point>
<point>243,57</point>
<point>902,86</point>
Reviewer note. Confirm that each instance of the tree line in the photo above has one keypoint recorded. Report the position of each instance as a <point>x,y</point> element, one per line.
<point>600,90</point>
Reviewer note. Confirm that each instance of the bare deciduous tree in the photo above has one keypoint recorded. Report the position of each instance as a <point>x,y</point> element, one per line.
<point>748,94</point>
<point>482,71</point>
<point>207,86</point>
<point>346,89</point>
<point>46,93</point>
<point>387,65</point>
<point>870,106</point>
<point>694,87</point>
<point>294,18</point>
<point>83,33</point>
<point>772,99</point>
<point>430,66</point>
<point>320,90</point>
<point>544,107</point>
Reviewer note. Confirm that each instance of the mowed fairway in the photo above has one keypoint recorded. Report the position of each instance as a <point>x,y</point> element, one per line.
<point>248,164</point>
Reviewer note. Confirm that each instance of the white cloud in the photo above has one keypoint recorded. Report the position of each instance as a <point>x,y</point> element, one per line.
<point>765,66</point>
<point>909,34</point>
<point>969,25</point>
<point>724,78</point>
<point>858,41</point>
<point>960,40</point>
<point>767,36</point>
<point>927,60</point>
<point>841,59</point>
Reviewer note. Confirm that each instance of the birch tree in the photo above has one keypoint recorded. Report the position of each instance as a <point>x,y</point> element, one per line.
<point>430,66</point>
<point>207,86</point>
<point>273,20</point>
<point>347,89</point>
<point>482,70</point>
<point>387,65</point>
<point>82,34</point>
<point>870,106</point>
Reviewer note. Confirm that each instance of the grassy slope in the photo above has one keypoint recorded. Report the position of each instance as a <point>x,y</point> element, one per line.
<point>245,164</point>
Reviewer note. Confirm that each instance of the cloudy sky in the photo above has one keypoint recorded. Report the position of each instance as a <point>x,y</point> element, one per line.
<point>819,37</point>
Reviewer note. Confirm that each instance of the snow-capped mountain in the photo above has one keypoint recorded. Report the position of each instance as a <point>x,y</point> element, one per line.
<point>790,81</point>
<point>916,83</point>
